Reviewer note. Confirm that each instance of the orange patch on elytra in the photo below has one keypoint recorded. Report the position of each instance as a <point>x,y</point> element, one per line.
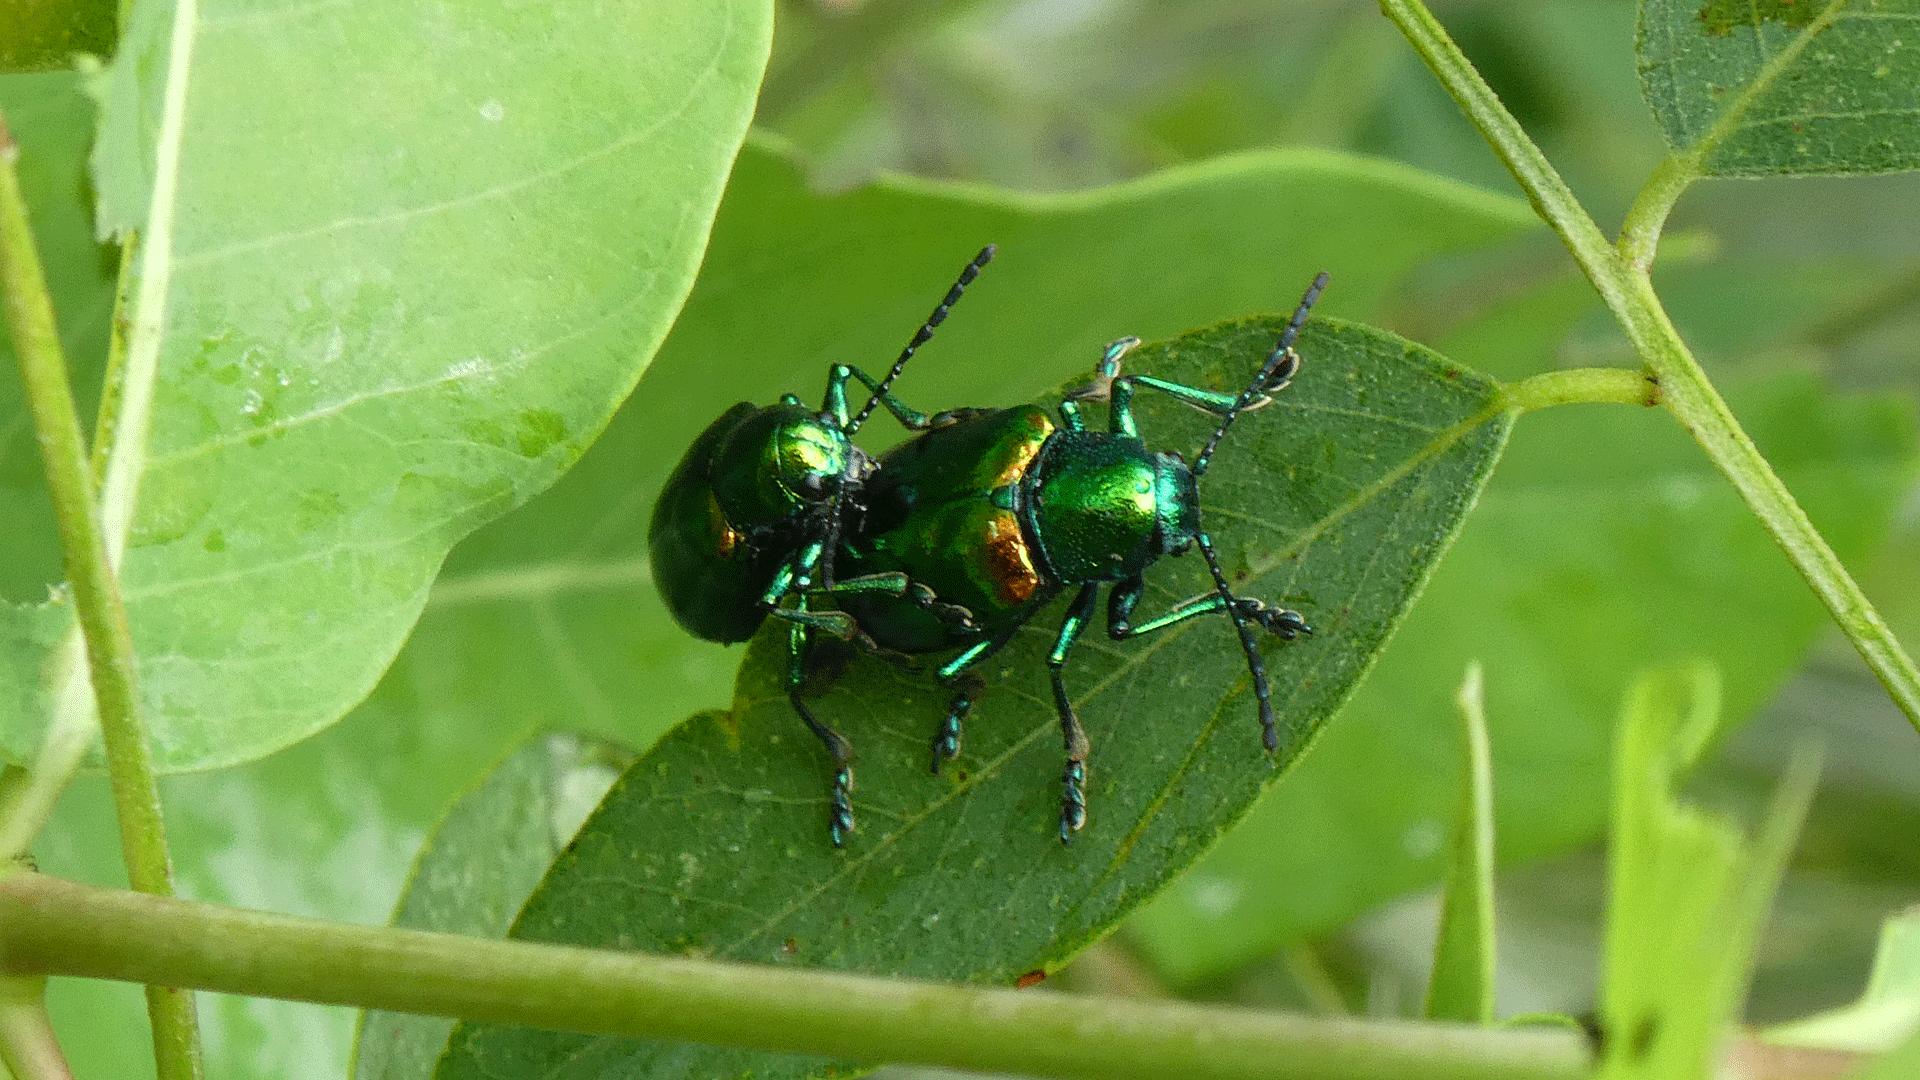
<point>1023,451</point>
<point>724,537</point>
<point>1009,562</point>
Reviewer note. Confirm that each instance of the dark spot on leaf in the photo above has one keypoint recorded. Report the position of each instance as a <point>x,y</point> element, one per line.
<point>317,508</point>
<point>486,432</point>
<point>1643,1035</point>
<point>1031,978</point>
<point>789,947</point>
<point>216,540</point>
<point>1720,17</point>
<point>260,411</point>
<point>540,431</point>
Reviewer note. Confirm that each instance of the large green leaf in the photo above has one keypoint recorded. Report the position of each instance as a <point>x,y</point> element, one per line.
<point>1771,87</point>
<point>402,268</point>
<point>1337,499</point>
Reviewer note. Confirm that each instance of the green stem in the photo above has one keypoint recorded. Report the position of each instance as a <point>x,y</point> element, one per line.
<point>1622,386</point>
<point>27,1046</point>
<point>96,591</point>
<point>114,380</point>
<point>1551,198</point>
<point>1640,231</point>
<point>1621,277</point>
<point>49,926</point>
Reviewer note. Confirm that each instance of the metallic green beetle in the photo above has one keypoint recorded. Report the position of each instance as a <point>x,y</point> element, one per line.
<point>989,514</point>
<point>749,521</point>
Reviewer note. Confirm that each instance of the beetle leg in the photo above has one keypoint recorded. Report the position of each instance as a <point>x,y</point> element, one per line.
<point>946,741</point>
<point>1120,407</point>
<point>888,583</point>
<point>1073,795</point>
<point>795,578</point>
<point>840,797</point>
<point>838,623</point>
<point>1121,601</point>
<point>1281,622</point>
<point>958,672</point>
<point>1104,372</point>
<point>1070,416</point>
<point>834,406</point>
<point>956,616</point>
<point>911,419</point>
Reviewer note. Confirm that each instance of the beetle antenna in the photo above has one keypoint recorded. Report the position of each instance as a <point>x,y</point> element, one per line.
<point>924,334</point>
<point>1281,363</point>
<point>1256,664</point>
<point>1279,367</point>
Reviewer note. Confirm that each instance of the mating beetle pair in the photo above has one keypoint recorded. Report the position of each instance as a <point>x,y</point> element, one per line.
<point>953,540</point>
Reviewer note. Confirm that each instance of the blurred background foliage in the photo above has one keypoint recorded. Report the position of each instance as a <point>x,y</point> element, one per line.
<point>1798,295</point>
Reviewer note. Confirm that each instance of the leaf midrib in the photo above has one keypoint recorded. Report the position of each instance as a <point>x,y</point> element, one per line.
<point>1731,117</point>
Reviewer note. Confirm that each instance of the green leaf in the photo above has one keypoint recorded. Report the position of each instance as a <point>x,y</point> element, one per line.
<point>379,334</point>
<point>1687,894</point>
<point>1778,87</point>
<point>1888,1011</point>
<point>1336,499</point>
<point>478,869</point>
<point>1603,541</point>
<point>1463,957</point>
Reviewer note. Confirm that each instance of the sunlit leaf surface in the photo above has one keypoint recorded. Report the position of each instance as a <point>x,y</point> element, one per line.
<point>406,274</point>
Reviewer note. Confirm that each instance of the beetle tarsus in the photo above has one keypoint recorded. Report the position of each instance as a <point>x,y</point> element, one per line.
<point>946,741</point>
<point>840,797</point>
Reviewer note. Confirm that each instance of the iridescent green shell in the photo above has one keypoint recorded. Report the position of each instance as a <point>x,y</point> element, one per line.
<point>995,511</point>
<point>733,510</point>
